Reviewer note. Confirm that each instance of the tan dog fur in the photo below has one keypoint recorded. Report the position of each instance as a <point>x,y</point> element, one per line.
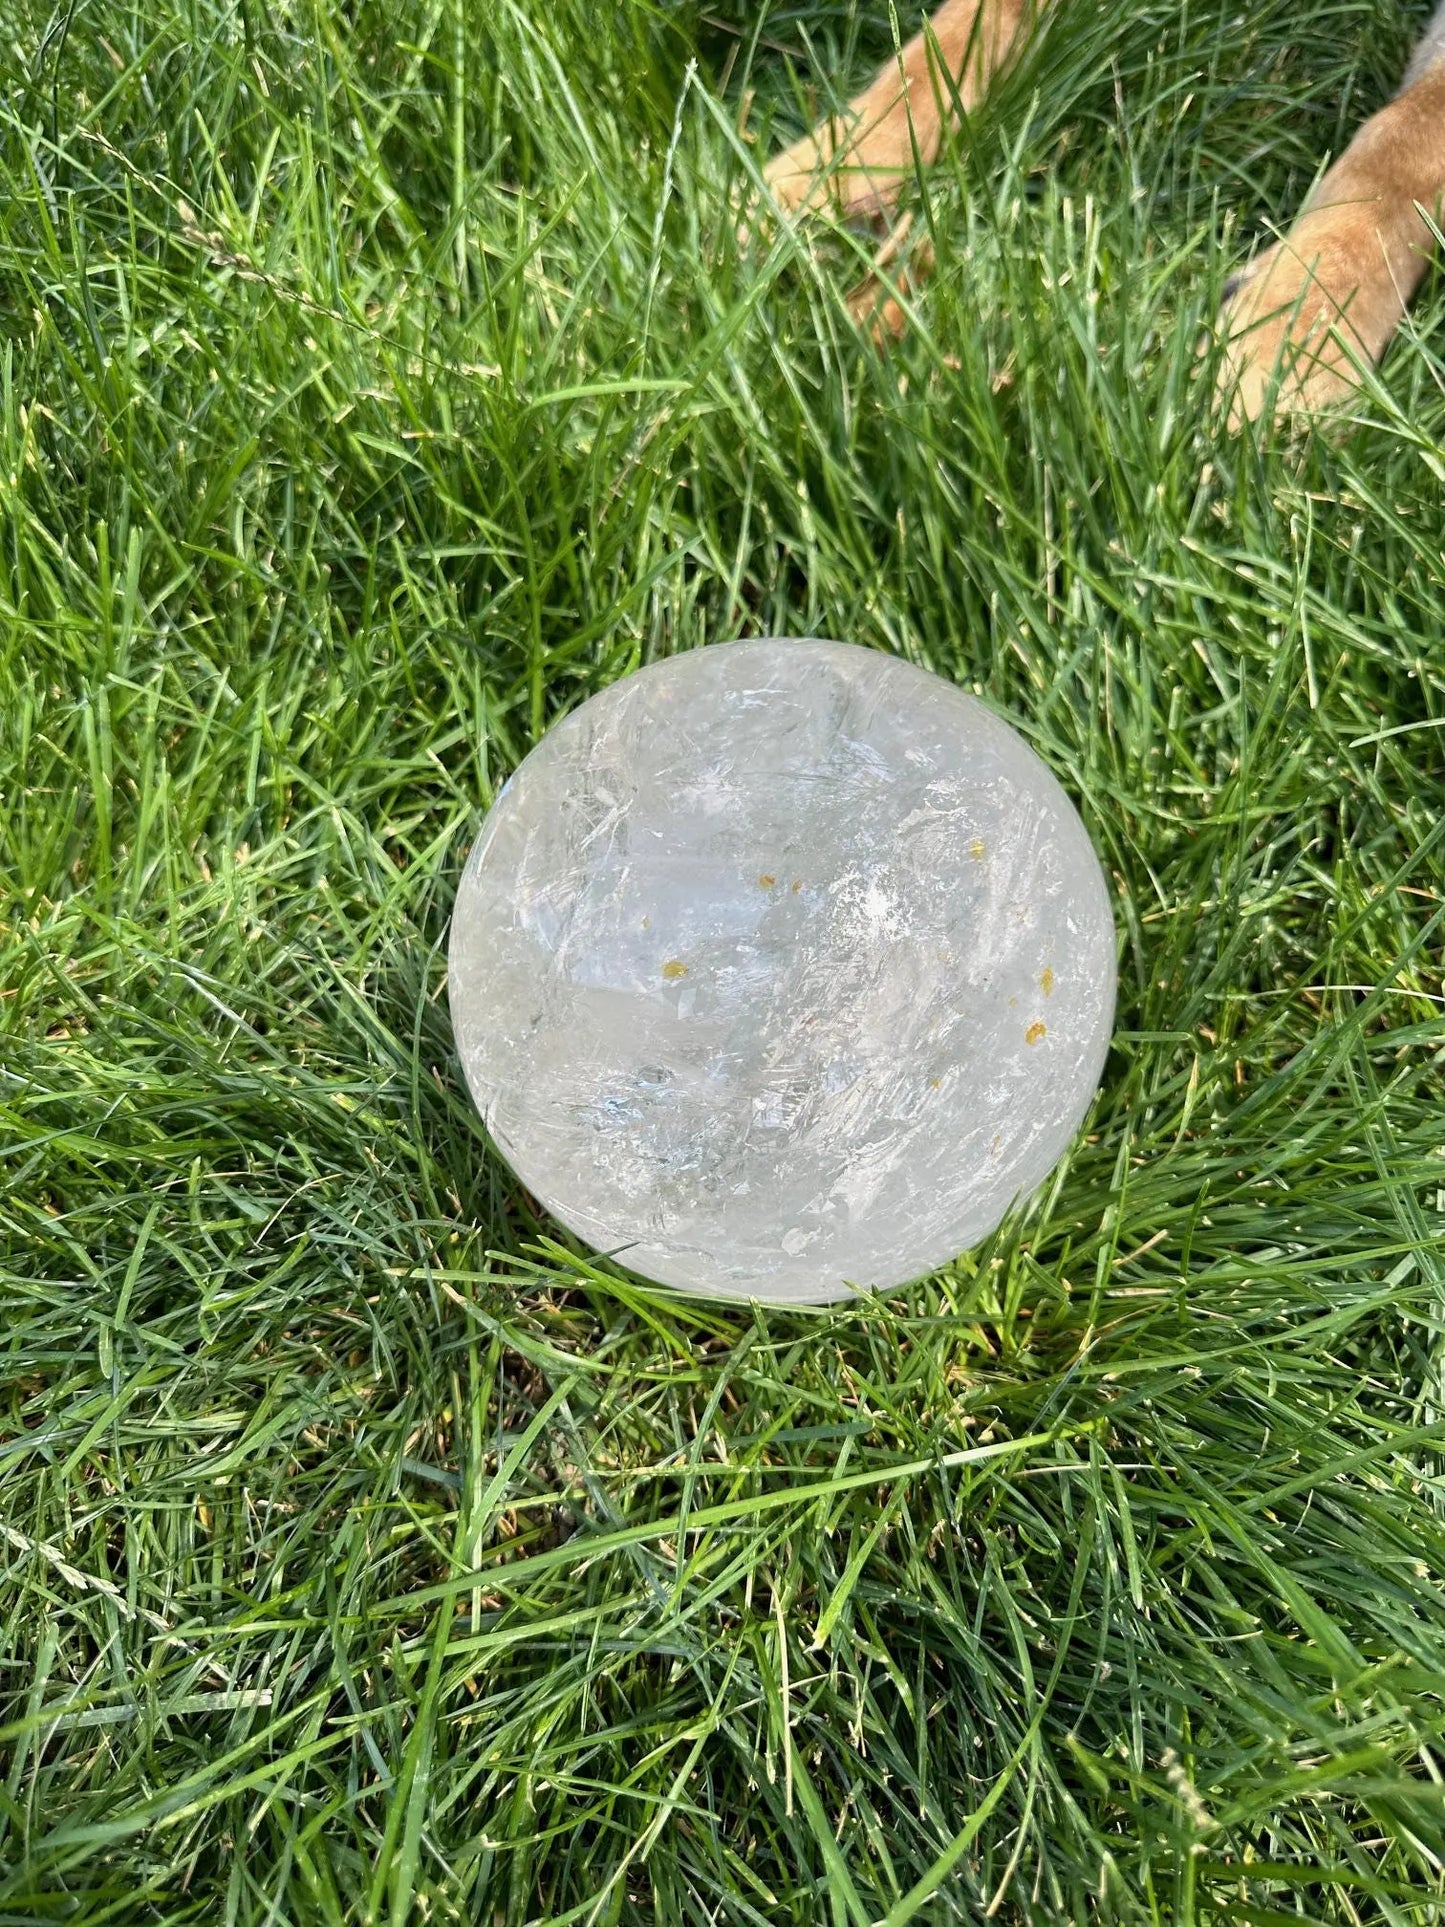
<point>1306,311</point>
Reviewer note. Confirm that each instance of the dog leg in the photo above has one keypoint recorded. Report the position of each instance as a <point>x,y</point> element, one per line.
<point>1332,292</point>
<point>859,161</point>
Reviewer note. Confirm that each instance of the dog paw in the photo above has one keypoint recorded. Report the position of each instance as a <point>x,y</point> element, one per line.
<point>1323,303</point>
<point>1285,334</point>
<point>1308,313</point>
<point>881,313</point>
<point>872,304</point>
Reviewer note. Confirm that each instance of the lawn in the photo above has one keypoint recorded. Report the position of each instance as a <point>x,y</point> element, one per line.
<point>379,381</point>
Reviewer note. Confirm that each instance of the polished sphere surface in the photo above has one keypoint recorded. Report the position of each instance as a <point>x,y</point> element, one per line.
<point>781,969</point>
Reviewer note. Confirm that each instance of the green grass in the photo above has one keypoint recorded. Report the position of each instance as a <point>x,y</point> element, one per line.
<point>376,384</point>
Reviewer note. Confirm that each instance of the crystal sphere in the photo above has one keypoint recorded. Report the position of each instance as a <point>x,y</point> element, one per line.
<point>781,969</point>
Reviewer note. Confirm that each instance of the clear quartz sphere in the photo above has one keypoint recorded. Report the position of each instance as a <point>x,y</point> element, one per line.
<point>781,969</point>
